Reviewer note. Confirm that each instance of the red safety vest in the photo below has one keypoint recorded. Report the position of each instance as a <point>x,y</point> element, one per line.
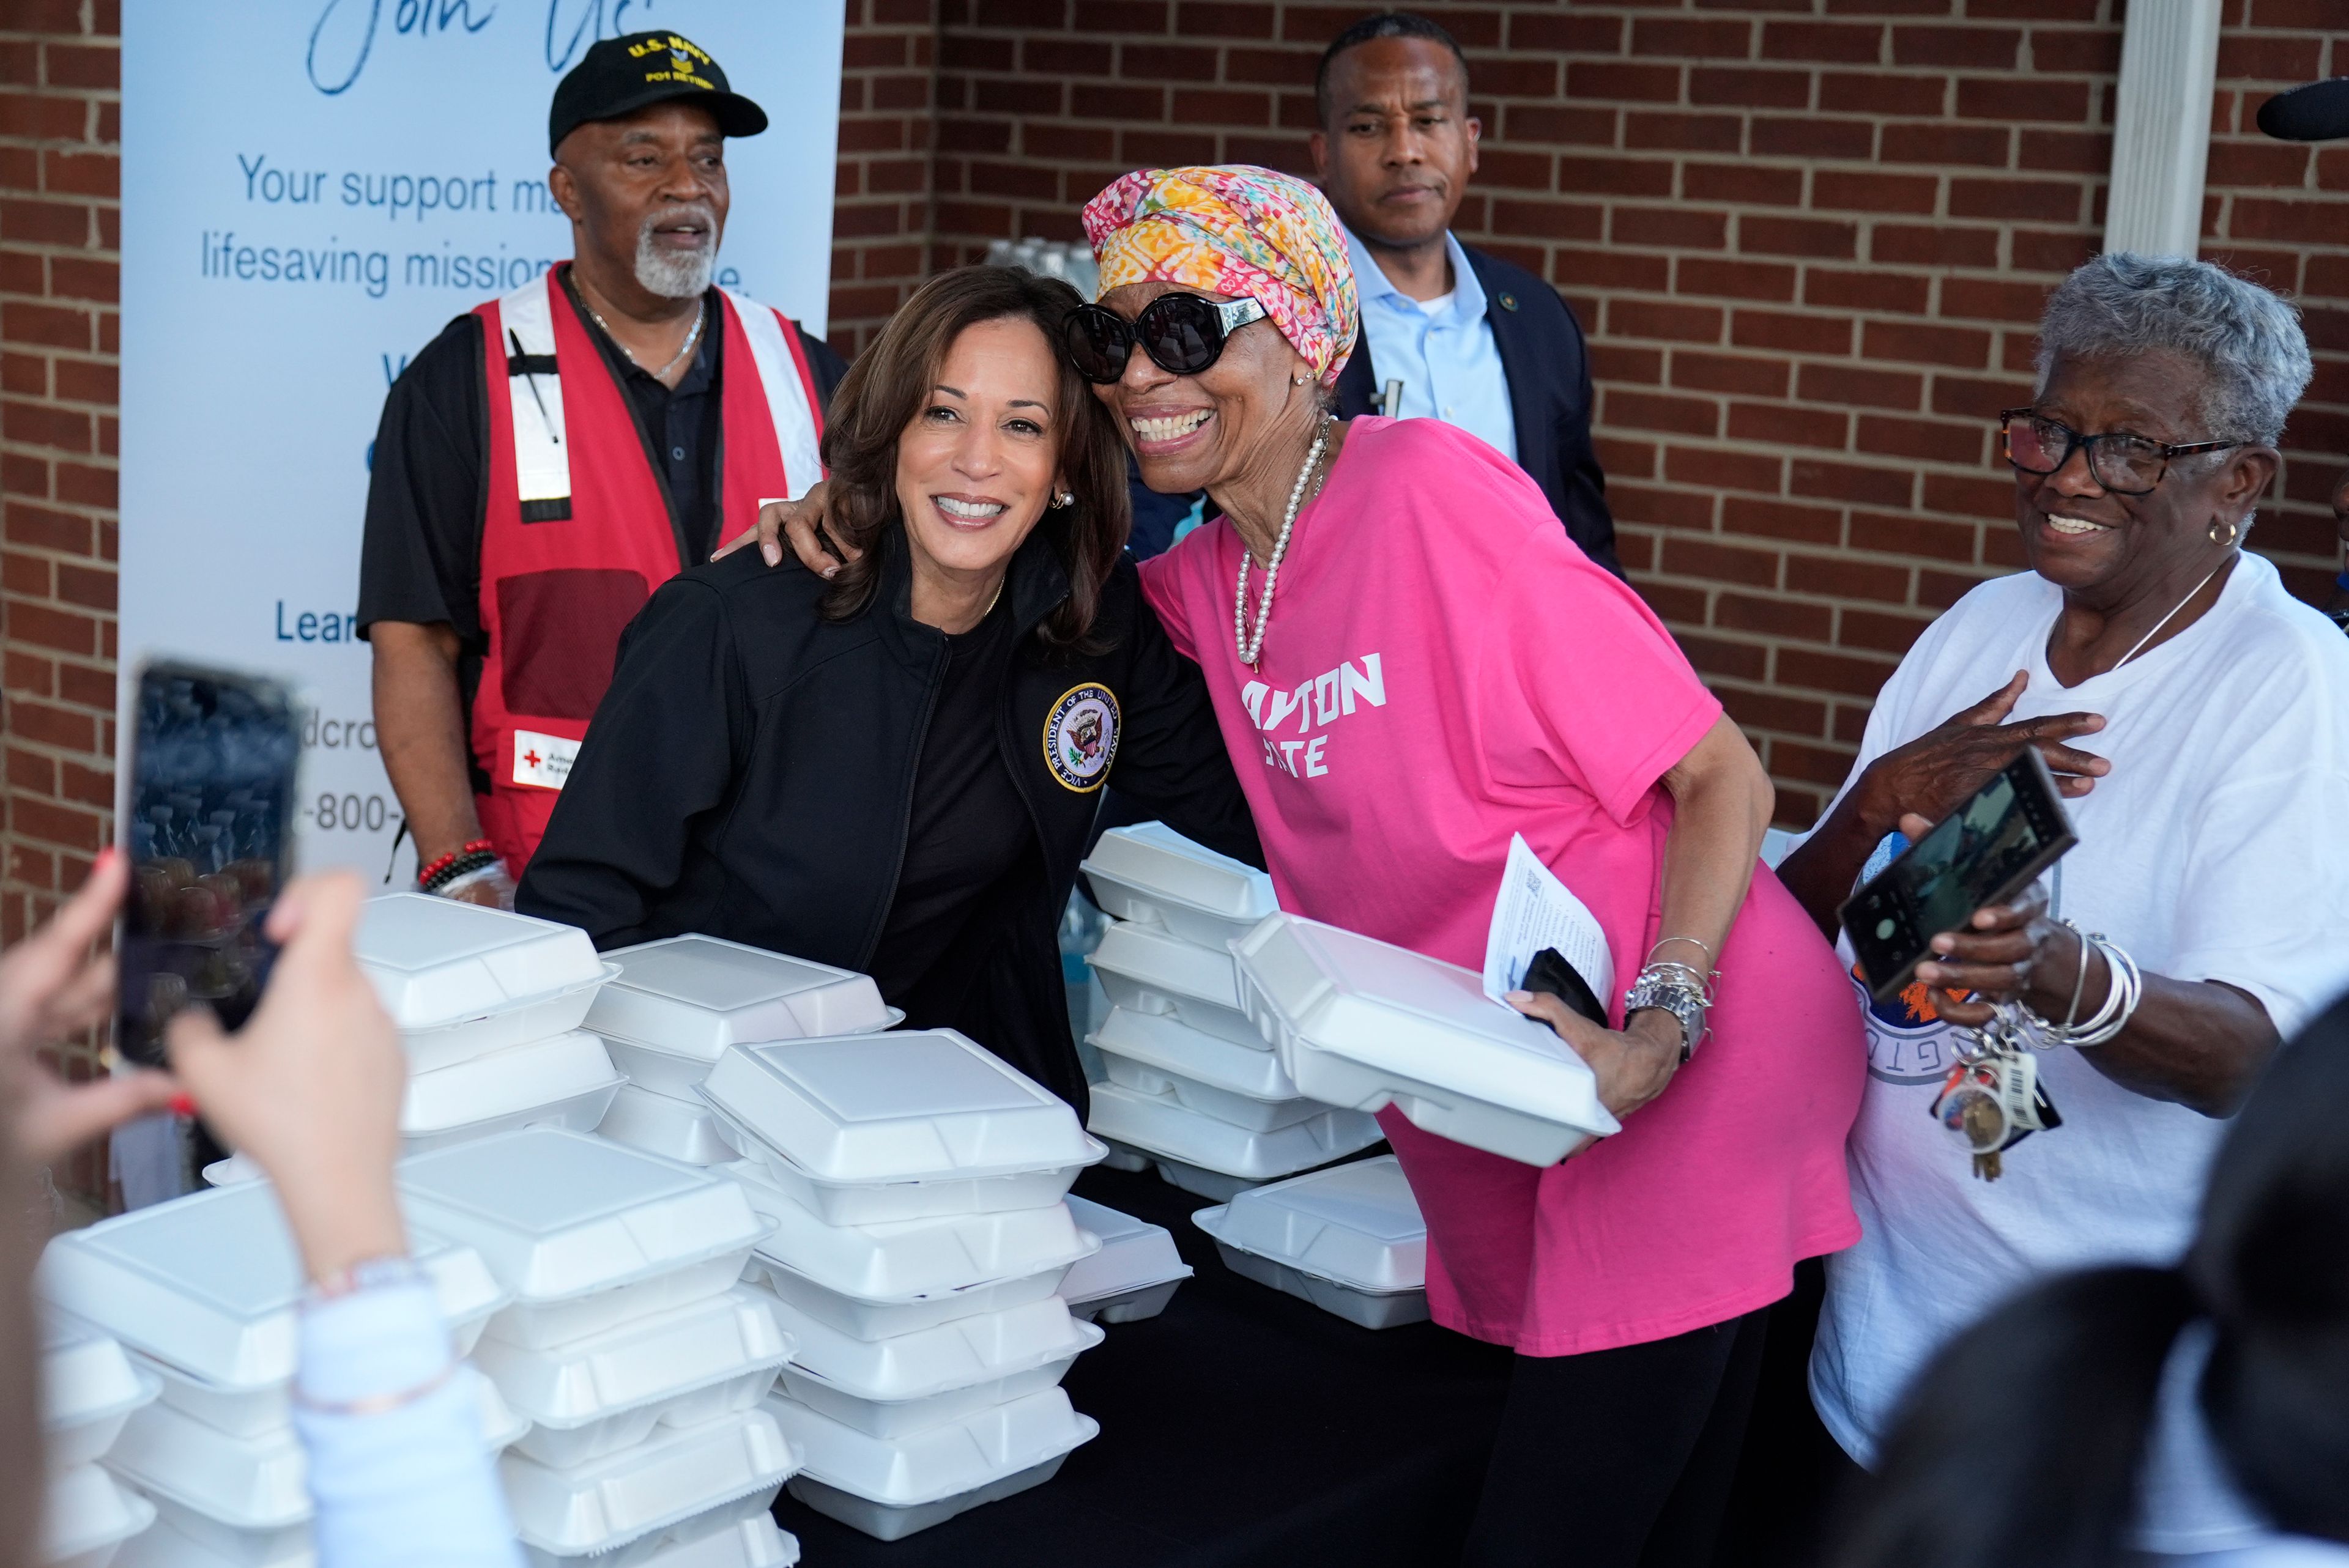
<point>576,535</point>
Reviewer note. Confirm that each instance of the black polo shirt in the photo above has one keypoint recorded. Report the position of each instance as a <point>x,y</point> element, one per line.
<point>420,558</point>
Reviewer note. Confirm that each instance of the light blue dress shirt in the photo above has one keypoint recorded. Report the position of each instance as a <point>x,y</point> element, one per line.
<point>1443,352</point>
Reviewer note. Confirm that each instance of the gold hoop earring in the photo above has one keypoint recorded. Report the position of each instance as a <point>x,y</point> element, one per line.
<point>2234,532</point>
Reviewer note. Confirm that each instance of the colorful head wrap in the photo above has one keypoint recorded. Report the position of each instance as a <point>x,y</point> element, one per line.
<point>1236,229</point>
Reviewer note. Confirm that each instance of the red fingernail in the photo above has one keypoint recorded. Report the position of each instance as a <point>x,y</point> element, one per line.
<point>183,1105</point>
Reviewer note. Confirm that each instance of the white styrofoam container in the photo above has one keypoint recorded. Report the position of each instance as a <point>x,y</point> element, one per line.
<point>247,1482</point>
<point>210,1282</point>
<point>882,1320</point>
<point>87,1517</point>
<point>1366,1023</point>
<point>893,1418</point>
<point>907,1259</point>
<point>694,995</point>
<point>170,1544</point>
<point>965,1353</point>
<point>651,1120</point>
<point>88,1389</point>
<point>1151,872</point>
<point>1349,1239</point>
<point>540,1078</point>
<point>258,1412</point>
<point>584,1233</point>
<point>911,1483</point>
<point>1200,1181</point>
<point>1236,1109</point>
<point>670,1477</point>
<point>1142,969</point>
<point>1131,1277</point>
<point>737,1534</point>
<point>596,1395</point>
<point>881,1203</point>
<point>1167,1128</point>
<point>461,979</point>
<point>1163,1041</point>
<point>921,1105</point>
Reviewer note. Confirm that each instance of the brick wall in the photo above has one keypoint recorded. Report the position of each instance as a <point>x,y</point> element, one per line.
<point>1809,239</point>
<point>881,204</point>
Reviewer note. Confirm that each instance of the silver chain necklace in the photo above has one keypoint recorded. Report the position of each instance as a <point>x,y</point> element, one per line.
<point>1252,647</point>
<point>691,338</point>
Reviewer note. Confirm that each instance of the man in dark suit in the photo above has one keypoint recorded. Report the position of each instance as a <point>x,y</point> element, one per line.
<point>1447,332</point>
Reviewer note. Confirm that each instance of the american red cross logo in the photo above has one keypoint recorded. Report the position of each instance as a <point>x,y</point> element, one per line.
<point>531,758</point>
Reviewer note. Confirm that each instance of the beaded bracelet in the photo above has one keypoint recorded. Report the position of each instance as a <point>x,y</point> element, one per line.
<point>449,870</point>
<point>425,874</point>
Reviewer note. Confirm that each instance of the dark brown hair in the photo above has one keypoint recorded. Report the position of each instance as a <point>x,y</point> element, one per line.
<point>891,383</point>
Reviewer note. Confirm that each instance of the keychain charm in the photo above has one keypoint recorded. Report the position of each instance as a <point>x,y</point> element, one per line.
<point>1992,1100</point>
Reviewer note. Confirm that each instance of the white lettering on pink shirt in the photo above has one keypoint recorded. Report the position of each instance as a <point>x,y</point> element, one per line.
<point>1315,703</point>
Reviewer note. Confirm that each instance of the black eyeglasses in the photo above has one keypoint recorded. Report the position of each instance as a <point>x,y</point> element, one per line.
<point>2121,463</point>
<point>1182,333</point>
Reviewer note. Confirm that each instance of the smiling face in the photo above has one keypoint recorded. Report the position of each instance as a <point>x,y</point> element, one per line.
<point>1197,432</point>
<point>646,196</point>
<point>1396,155</point>
<point>978,463</point>
<point>2111,548</point>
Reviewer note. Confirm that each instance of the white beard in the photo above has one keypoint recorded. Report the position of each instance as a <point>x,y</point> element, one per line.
<point>675,276</point>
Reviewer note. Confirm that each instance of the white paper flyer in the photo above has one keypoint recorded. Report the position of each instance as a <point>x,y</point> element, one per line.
<point>1534,911</point>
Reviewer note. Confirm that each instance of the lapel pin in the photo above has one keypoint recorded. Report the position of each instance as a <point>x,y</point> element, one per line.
<point>1508,302</point>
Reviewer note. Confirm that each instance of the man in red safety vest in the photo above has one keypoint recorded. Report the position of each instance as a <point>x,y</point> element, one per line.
<point>557,453</point>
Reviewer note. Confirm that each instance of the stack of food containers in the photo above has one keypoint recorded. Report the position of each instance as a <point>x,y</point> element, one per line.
<point>1361,1023</point>
<point>627,1343</point>
<point>1349,1239</point>
<point>916,1186</point>
<point>88,1390</point>
<point>674,1006</point>
<point>489,1005</point>
<point>202,1290</point>
<point>1133,1275</point>
<point>1193,1084</point>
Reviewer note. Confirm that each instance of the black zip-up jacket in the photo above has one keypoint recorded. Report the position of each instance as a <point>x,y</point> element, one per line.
<point>750,775</point>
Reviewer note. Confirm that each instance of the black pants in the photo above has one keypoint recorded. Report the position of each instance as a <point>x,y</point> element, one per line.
<point>1794,1483</point>
<point>1619,1458</point>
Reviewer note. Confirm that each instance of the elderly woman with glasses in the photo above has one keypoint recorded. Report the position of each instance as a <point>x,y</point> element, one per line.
<point>1413,665</point>
<point>2197,716</point>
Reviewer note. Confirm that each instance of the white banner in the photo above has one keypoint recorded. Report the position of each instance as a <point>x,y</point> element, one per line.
<point>311,190</point>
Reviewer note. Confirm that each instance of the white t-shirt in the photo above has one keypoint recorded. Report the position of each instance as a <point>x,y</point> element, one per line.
<point>2216,849</point>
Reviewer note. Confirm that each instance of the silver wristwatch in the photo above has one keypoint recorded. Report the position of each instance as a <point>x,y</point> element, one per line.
<point>1656,986</point>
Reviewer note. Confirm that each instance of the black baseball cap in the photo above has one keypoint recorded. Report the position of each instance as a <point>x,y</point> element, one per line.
<point>620,76</point>
<point>2317,113</point>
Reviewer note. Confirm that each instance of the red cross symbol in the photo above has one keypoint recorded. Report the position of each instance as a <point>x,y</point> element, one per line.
<point>531,758</point>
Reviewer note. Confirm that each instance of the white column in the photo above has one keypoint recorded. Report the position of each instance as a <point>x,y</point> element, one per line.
<point>2161,126</point>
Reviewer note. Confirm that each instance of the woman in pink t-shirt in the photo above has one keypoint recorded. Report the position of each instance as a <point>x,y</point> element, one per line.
<point>1411,664</point>
<point>1419,666</point>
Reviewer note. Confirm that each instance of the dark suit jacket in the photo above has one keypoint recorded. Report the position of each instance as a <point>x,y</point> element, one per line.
<point>1542,354</point>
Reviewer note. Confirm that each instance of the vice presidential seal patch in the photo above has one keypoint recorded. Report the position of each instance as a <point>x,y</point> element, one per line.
<point>1080,737</point>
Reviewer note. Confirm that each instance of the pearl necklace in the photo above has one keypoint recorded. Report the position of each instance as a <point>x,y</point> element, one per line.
<point>1252,647</point>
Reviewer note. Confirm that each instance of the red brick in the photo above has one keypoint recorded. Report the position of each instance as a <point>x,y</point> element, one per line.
<point>1781,520</point>
<point>1983,299</point>
<point>2065,151</point>
<point>1690,39</point>
<point>1615,176</point>
<point>1622,362</point>
<point>2266,58</point>
<point>2079,50</point>
<point>1928,440</point>
<point>1720,372</point>
<point>1984,49</point>
<point>81,173</point>
<point>1847,481</point>
<point>1877,193</point>
<point>1683,132</point>
<point>2007,200</point>
<point>1962,346</point>
<point>1861,388</point>
<point>1742,182</point>
<point>1865,288</point>
<point>1550,219</point>
<point>46,725</point>
<point>1715,657</point>
<point>2018,97</point>
<point>1678,228</point>
<point>1841,577</point>
<point>1206,19</point>
<point>1846,139</point>
<point>1714,468</point>
<point>2036,251</point>
<point>1900,533</point>
<point>1571,125</point>
<point>1774,617</point>
<point>1659,319</point>
<point>1882,92</point>
<point>31,817</point>
<point>1660,507</point>
<point>1936,246</point>
<point>1768,710</point>
<point>1815,764</point>
<point>1651,411</point>
<point>1608,269</point>
<point>1607,80</point>
<point>1735,279</point>
<point>1842,43</point>
<point>1799,334</point>
<point>1788,426</point>
<point>1730,85</point>
<point>1773,236</point>
<point>1987,498</point>
<point>43,116</point>
<point>1720,563</point>
<point>1570,34</point>
<point>1967,398</point>
<point>1945,144</point>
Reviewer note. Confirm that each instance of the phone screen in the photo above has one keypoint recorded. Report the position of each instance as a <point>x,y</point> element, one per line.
<point>1985,852</point>
<point>211,797</point>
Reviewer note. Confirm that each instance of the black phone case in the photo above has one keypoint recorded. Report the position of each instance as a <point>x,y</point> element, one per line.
<point>1551,972</point>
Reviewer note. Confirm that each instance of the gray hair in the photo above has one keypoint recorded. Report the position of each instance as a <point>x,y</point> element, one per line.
<point>2246,339</point>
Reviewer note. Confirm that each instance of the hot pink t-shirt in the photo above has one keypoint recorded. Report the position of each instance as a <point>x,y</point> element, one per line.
<point>1444,668</point>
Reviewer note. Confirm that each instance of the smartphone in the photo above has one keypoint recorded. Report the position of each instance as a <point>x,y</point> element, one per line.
<point>208,833</point>
<point>1983,853</point>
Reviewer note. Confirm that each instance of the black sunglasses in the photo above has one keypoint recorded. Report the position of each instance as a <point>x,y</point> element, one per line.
<point>1182,333</point>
